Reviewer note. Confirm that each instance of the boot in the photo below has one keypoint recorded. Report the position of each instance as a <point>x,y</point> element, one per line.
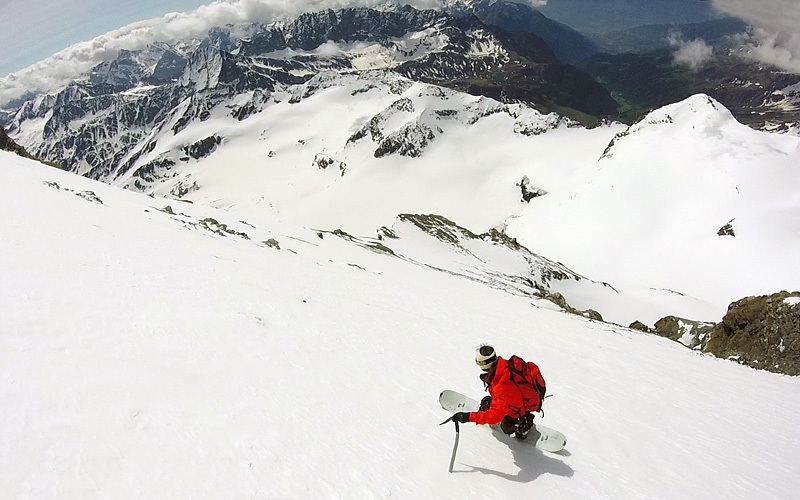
<point>524,426</point>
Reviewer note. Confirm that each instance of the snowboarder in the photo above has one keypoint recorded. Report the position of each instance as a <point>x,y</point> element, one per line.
<point>516,389</point>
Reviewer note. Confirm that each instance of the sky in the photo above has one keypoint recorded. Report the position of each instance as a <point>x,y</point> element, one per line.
<point>206,365</point>
<point>32,31</point>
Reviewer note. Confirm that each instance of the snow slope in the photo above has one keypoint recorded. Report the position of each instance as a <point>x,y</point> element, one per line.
<point>648,212</point>
<point>267,163</point>
<point>638,208</point>
<point>148,354</point>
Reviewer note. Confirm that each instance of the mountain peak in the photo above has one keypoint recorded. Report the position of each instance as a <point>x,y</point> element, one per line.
<point>697,106</point>
<point>699,115</point>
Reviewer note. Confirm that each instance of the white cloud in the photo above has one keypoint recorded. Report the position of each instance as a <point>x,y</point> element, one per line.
<point>54,72</point>
<point>696,53</point>
<point>777,37</point>
<point>772,48</point>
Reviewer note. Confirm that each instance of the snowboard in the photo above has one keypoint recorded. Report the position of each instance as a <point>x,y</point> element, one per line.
<point>541,437</point>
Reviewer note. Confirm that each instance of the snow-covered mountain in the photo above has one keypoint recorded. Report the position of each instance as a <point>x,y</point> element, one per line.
<point>93,126</point>
<point>694,192</point>
<point>153,348</point>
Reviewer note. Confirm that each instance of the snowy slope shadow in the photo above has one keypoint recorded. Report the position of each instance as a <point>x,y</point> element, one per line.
<point>531,462</point>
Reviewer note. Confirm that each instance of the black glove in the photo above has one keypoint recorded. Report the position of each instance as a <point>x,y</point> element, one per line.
<point>461,417</point>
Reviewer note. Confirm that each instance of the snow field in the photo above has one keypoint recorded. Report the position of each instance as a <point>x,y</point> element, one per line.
<point>142,356</point>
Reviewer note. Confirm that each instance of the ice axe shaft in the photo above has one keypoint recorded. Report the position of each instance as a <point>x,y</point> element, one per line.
<point>455,445</point>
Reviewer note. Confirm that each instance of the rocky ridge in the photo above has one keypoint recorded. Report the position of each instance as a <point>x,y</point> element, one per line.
<point>492,258</point>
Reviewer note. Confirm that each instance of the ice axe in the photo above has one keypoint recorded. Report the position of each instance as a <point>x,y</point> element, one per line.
<point>455,445</point>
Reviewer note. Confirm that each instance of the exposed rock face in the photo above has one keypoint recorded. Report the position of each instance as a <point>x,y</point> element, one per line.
<point>408,141</point>
<point>727,229</point>
<point>690,333</point>
<point>425,121</point>
<point>312,29</point>
<point>323,161</point>
<point>560,301</point>
<point>169,68</point>
<point>120,74</point>
<point>529,191</point>
<point>152,171</point>
<point>203,148</point>
<point>761,332</point>
<point>8,145</point>
<point>638,325</point>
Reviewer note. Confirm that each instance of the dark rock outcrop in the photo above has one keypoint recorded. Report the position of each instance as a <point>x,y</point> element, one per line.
<point>762,332</point>
<point>323,161</point>
<point>727,229</point>
<point>559,300</point>
<point>6,144</point>
<point>203,147</point>
<point>688,332</point>
<point>169,68</point>
<point>529,191</point>
<point>638,325</point>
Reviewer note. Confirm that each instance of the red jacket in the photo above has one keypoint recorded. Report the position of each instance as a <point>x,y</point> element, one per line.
<point>506,398</point>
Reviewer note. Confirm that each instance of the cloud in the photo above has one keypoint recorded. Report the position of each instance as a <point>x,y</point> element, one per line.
<point>772,48</point>
<point>776,39</point>
<point>696,53</point>
<point>56,71</point>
